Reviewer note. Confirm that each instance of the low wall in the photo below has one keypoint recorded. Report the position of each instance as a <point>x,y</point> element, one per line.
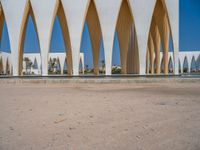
<point>116,79</point>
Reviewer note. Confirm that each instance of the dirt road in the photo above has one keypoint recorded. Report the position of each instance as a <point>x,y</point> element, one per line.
<point>100,116</point>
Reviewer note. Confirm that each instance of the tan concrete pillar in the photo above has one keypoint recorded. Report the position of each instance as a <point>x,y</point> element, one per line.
<point>95,34</point>
<point>165,43</point>
<point>1,29</point>
<point>151,53</point>
<point>27,12</point>
<point>69,62</point>
<point>156,40</point>
<point>161,20</point>
<point>124,24</point>
<point>133,55</point>
<point>130,54</point>
<point>1,23</point>
<point>147,61</point>
<point>65,31</point>
<point>136,66</point>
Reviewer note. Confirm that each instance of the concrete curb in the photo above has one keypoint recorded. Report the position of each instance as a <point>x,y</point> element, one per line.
<point>46,80</point>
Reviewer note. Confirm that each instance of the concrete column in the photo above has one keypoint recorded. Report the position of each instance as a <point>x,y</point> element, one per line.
<point>1,21</point>
<point>69,62</point>
<point>142,11</point>
<point>147,61</point>
<point>156,40</point>
<point>95,34</point>
<point>151,53</point>
<point>108,14</point>
<point>124,24</point>
<point>44,12</point>
<point>136,68</point>
<point>75,12</point>
<point>65,32</point>
<point>132,55</point>
<point>165,43</point>
<point>13,13</point>
<point>173,14</point>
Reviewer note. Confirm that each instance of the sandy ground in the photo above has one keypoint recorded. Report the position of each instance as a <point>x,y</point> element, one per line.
<point>100,116</point>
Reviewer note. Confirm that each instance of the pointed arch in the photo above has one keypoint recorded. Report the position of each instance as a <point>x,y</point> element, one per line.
<point>171,68</point>
<point>155,35</point>
<point>95,33</point>
<point>193,65</point>
<point>125,28</point>
<point>60,13</point>
<point>35,64</point>
<point>185,65</point>
<point>161,30</point>
<point>27,12</point>
<point>151,54</point>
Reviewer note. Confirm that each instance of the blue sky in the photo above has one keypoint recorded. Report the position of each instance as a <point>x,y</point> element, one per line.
<point>189,35</point>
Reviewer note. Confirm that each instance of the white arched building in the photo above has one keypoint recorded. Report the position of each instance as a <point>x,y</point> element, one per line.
<point>186,60</point>
<point>35,59</point>
<point>141,26</point>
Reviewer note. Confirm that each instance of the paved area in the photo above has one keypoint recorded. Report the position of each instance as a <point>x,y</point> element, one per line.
<point>115,116</point>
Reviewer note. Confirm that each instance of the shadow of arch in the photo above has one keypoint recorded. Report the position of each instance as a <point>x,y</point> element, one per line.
<point>27,12</point>
<point>126,33</point>
<point>193,65</point>
<point>160,31</point>
<point>185,65</point>
<point>59,12</point>
<point>171,68</point>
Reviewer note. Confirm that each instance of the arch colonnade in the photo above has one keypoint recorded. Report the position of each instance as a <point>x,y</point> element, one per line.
<point>141,26</point>
<point>189,61</point>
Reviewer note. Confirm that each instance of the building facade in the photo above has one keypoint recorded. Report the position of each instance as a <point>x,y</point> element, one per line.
<point>141,25</point>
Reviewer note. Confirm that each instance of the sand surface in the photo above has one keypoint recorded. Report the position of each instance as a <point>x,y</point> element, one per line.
<point>100,116</point>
